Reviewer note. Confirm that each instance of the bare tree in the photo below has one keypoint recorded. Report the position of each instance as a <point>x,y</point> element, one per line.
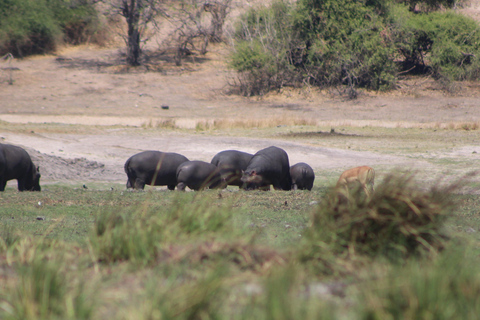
<point>219,9</point>
<point>194,29</point>
<point>138,15</point>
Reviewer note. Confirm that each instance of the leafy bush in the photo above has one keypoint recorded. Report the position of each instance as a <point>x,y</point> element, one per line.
<point>344,44</point>
<point>399,220</point>
<point>37,26</point>
<point>445,42</point>
<point>262,53</point>
<point>351,43</point>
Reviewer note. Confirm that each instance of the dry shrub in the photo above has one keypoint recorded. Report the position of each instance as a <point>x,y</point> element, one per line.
<point>244,255</point>
<point>399,220</point>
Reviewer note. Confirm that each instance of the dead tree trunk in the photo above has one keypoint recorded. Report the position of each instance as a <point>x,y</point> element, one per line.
<point>131,12</point>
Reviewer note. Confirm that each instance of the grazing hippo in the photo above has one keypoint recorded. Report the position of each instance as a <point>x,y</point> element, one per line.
<point>199,175</point>
<point>154,168</point>
<point>267,167</point>
<point>15,163</point>
<point>302,176</point>
<point>232,163</point>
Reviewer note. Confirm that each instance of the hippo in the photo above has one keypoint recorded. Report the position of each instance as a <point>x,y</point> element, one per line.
<point>15,163</point>
<point>154,168</point>
<point>302,176</point>
<point>231,164</point>
<point>199,175</point>
<point>269,166</point>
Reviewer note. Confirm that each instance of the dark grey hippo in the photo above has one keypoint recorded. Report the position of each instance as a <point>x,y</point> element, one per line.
<point>267,167</point>
<point>15,163</point>
<point>154,168</point>
<point>302,176</point>
<point>199,175</point>
<point>232,163</point>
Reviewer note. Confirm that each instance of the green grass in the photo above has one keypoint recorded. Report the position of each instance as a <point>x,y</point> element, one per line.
<point>102,253</point>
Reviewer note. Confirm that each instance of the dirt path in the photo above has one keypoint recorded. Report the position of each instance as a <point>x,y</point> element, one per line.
<point>101,157</point>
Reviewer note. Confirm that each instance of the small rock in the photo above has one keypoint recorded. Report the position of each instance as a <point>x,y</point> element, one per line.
<point>41,218</point>
<point>470,230</point>
<point>312,203</point>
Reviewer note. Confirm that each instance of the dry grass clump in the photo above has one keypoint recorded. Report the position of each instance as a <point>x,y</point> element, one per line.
<point>245,255</point>
<point>399,220</point>
<point>254,123</point>
<point>163,123</point>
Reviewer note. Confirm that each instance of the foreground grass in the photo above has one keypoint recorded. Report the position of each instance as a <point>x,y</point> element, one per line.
<point>70,253</point>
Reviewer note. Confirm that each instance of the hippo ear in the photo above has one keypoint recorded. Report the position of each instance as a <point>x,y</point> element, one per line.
<point>38,169</point>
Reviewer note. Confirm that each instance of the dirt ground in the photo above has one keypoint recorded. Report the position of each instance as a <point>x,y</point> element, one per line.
<point>87,85</point>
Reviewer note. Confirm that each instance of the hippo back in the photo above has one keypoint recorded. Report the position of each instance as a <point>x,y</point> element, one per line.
<point>232,163</point>
<point>303,176</point>
<point>15,163</point>
<point>153,168</point>
<point>198,175</point>
<point>269,166</point>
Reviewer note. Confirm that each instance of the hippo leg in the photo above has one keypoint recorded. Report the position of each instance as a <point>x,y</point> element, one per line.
<point>139,184</point>
<point>181,186</point>
<point>129,184</point>
<point>2,185</point>
<point>171,187</point>
<point>21,185</point>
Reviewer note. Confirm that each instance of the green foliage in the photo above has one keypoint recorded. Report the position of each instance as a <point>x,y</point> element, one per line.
<point>346,45</point>
<point>263,54</point>
<point>445,42</point>
<point>398,221</point>
<point>37,26</point>
<point>352,44</point>
<point>443,289</point>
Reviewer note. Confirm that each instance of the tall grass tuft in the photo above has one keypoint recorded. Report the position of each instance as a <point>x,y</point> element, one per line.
<point>399,220</point>
<point>445,289</point>
<point>138,234</point>
<point>42,288</point>
<point>199,298</point>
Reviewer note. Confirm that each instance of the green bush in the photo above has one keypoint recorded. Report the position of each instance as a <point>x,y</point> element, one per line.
<point>398,221</point>
<point>445,42</point>
<point>262,53</point>
<point>352,44</point>
<point>38,26</point>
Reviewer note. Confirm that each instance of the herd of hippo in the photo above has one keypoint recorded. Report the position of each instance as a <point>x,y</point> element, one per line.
<point>269,166</point>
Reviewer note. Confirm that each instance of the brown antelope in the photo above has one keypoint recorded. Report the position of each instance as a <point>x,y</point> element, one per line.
<point>363,175</point>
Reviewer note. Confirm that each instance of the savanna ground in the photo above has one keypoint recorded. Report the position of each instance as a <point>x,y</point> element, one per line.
<point>82,113</point>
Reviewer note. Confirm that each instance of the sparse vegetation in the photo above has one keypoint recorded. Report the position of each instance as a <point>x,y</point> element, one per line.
<point>262,255</point>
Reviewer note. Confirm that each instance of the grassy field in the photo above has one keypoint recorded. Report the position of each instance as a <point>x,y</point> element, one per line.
<point>69,253</point>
